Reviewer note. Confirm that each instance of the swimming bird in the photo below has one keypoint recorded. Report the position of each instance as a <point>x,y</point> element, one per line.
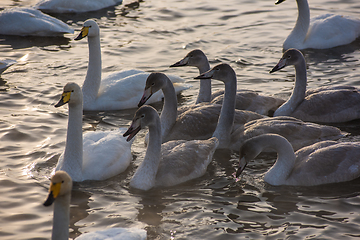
<point>170,163</point>
<point>321,163</point>
<point>200,121</point>
<point>297,132</point>
<point>244,100</point>
<point>197,58</point>
<point>101,155</point>
<point>320,32</point>
<point>60,195</point>
<point>321,105</point>
<point>74,6</point>
<point>120,90</point>
<point>27,21</point>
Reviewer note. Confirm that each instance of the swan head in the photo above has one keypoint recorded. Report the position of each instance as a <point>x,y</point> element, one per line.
<point>291,56</point>
<point>279,1</point>
<point>223,72</point>
<point>60,185</point>
<point>90,29</point>
<point>250,149</point>
<point>72,95</point>
<point>154,82</point>
<point>195,58</point>
<point>144,116</point>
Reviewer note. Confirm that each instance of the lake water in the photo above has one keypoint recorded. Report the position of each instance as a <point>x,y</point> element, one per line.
<point>246,34</point>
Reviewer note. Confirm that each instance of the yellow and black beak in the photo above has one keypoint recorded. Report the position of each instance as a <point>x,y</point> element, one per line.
<point>53,193</point>
<point>83,33</point>
<point>65,98</point>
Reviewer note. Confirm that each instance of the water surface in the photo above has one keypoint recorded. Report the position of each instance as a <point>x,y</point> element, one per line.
<point>248,35</point>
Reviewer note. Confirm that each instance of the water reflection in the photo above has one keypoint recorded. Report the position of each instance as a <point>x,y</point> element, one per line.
<point>19,42</point>
<point>78,210</point>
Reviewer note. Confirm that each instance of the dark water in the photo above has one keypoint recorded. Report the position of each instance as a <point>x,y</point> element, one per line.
<point>246,34</point>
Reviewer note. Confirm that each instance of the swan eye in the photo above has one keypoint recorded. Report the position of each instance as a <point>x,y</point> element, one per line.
<point>62,181</point>
<point>289,57</point>
<point>142,116</point>
<point>153,84</point>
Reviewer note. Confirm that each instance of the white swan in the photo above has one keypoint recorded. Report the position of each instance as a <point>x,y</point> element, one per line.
<point>170,163</point>
<point>322,105</point>
<point>74,6</point>
<point>31,22</point>
<point>297,132</point>
<point>5,64</point>
<point>245,99</point>
<point>321,163</point>
<point>321,32</point>
<point>200,121</point>
<point>120,90</point>
<point>101,155</point>
<point>60,195</point>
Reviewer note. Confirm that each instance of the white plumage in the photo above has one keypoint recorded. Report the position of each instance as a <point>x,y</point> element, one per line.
<point>321,32</point>
<point>24,21</point>
<point>74,6</point>
<point>96,155</point>
<point>120,90</point>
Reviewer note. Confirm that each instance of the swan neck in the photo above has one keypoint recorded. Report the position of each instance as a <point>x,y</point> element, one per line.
<point>299,32</point>
<point>168,115</point>
<point>205,84</point>
<point>145,176</point>
<point>300,80</point>
<point>227,113</point>
<point>93,76</point>
<point>73,157</point>
<point>298,94</point>
<point>60,230</point>
<point>285,162</point>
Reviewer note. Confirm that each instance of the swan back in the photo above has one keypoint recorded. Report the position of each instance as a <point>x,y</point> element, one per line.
<point>251,101</point>
<point>326,162</point>
<point>74,6</point>
<point>297,132</point>
<point>321,32</point>
<point>185,161</point>
<point>322,105</point>
<point>31,22</point>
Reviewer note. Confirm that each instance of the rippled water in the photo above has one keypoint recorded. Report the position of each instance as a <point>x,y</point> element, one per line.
<point>246,34</point>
